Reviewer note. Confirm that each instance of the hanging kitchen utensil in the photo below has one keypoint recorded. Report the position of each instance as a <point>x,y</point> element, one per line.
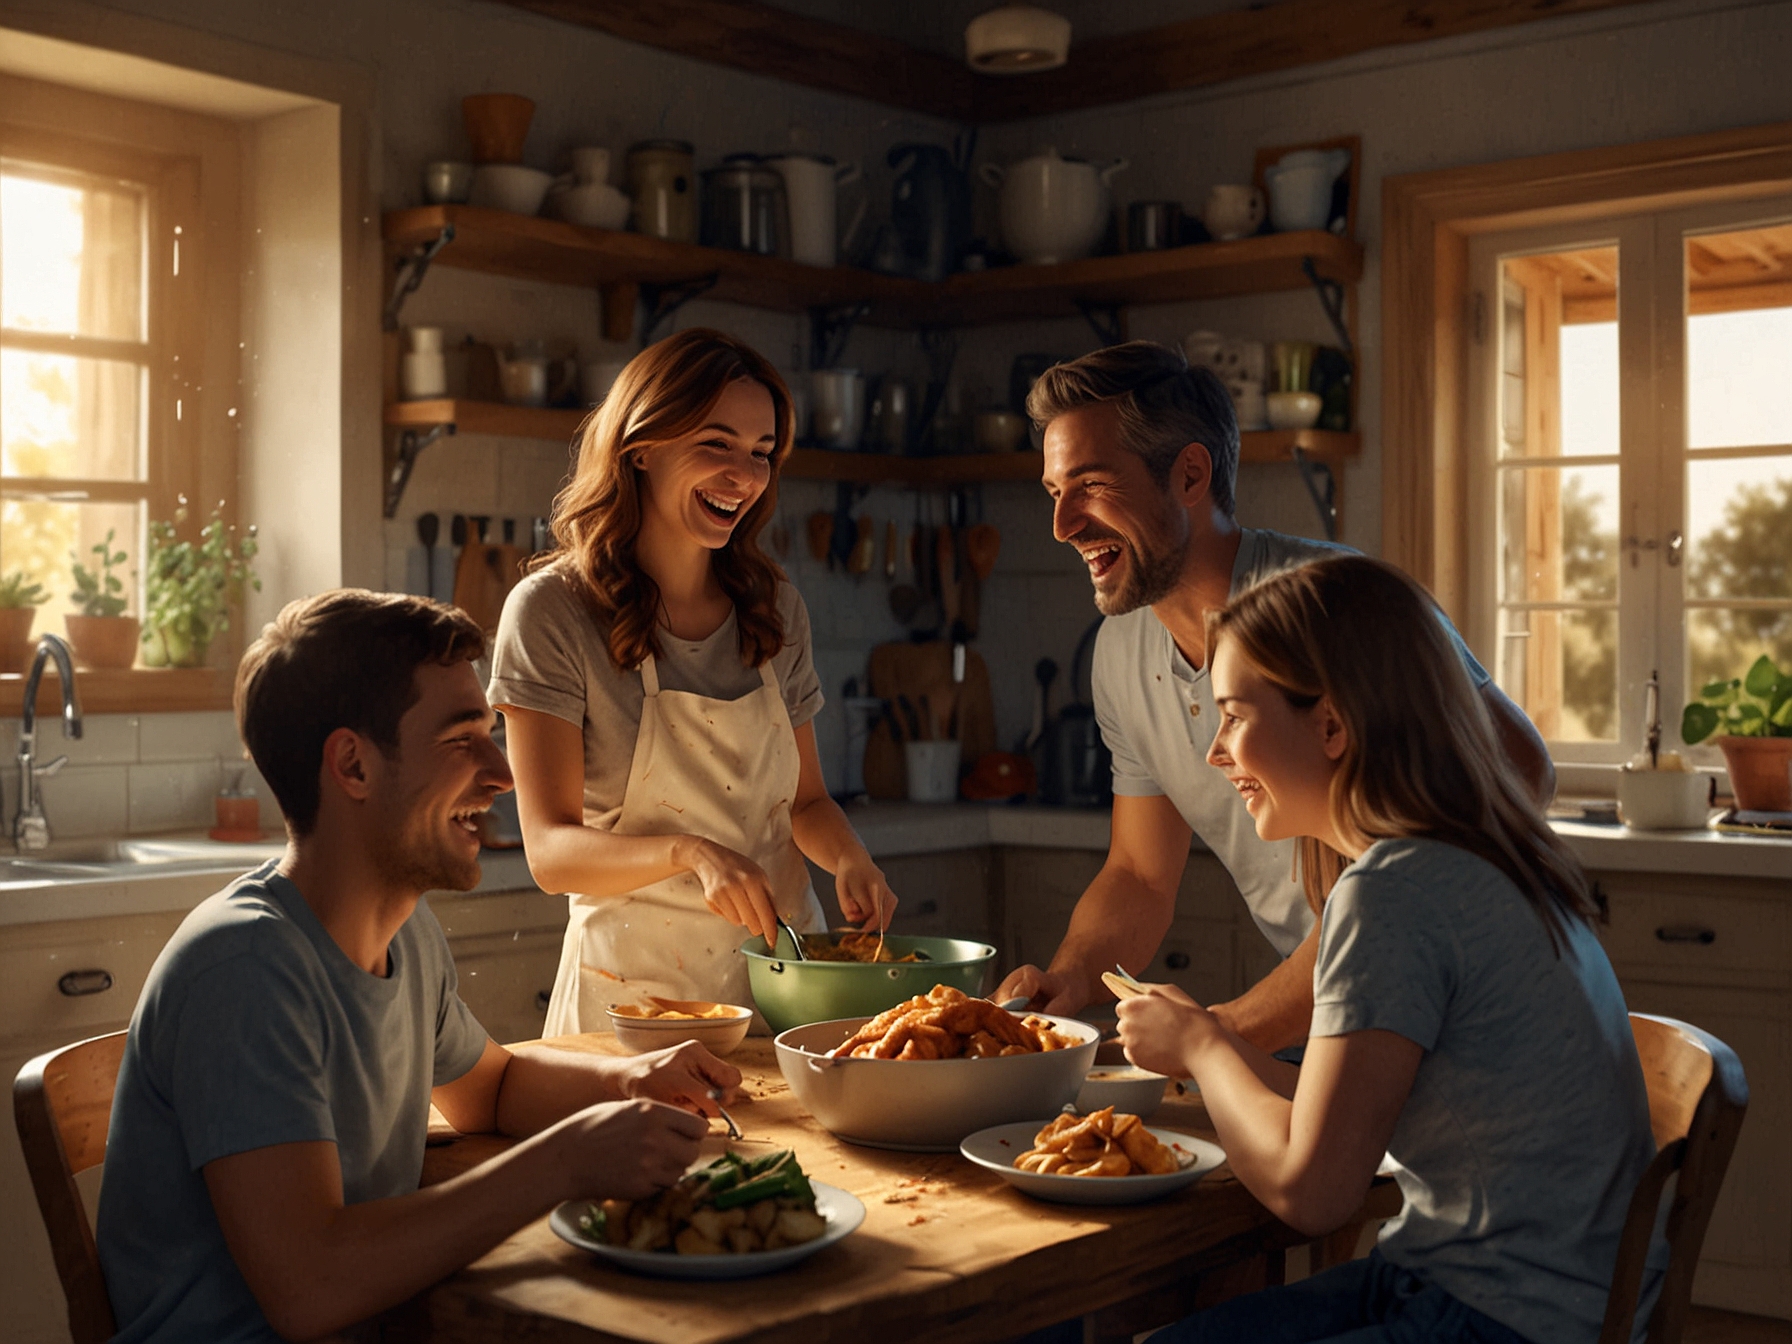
<point>945,560</point>
<point>1045,671</point>
<point>890,548</point>
<point>429,527</point>
<point>821,533</point>
<point>982,544</point>
<point>864,546</point>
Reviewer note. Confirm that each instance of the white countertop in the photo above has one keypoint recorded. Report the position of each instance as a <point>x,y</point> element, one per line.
<point>890,829</point>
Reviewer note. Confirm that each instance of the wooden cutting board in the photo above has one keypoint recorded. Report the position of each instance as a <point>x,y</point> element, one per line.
<point>483,578</point>
<point>916,670</point>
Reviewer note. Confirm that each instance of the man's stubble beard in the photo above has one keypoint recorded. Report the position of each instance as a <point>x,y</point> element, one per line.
<point>1149,579</point>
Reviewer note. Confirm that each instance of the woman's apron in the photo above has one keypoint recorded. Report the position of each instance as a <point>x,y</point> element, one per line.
<point>722,769</point>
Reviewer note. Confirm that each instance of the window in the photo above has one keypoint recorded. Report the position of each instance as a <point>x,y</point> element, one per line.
<point>1631,436</point>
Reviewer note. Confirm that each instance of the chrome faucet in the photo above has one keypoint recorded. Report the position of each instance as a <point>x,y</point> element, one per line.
<point>30,828</point>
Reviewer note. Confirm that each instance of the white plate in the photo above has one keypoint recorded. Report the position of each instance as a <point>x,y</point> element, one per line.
<point>842,1211</point>
<point>997,1148</point>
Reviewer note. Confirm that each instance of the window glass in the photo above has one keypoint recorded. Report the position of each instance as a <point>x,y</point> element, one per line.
<point>71,255</point>
<point>70,418</point>
<point>45,537</point>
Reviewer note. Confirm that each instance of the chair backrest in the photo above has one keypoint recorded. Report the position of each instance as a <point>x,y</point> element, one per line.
<point>63,1104</point>
<point>1697,1096</point>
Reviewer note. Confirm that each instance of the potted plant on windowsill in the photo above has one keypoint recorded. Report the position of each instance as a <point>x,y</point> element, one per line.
<point>102,635</point>
<point>189,586</point>
<point>1753,717</point>
<point>19,600</point>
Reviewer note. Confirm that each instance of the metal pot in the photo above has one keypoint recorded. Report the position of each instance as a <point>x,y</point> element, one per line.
<point>791,992</point>
<point>927,1106</point>
<point>744,207</point>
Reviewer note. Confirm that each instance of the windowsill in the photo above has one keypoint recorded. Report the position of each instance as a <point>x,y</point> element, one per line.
<point>134,691</point>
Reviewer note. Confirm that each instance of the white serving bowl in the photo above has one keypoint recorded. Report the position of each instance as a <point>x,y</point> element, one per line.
<point>509,186</point>
<point>1293,410</point>
<point>1129,1089</point>
<point>595,205</point>
<point>719,1035</point>
<point>927,1106</point>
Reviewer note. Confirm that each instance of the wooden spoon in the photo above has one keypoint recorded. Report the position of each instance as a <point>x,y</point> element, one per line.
<point>982,544</point>
<point>864,547</point>
<point>821,533</point>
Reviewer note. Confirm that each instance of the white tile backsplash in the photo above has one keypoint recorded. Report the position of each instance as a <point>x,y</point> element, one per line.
<point>188,737</point>
<point>80,800</point>
<point>173,795</point>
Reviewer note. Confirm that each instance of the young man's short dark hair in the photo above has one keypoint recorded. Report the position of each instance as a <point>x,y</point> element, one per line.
<point>347,658</point>
<point>1164,406</point>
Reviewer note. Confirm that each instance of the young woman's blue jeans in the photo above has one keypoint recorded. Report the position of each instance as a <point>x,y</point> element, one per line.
<point>1368,1301</point>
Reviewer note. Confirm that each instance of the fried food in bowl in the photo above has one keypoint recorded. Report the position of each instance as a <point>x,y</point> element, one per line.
<point>719,1027</point>
<point>946,1023</point>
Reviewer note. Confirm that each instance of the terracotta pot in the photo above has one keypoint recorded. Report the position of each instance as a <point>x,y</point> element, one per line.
<point>15,637</point>
<point>1760,772</point>
<point>497,124</point>
<point>103,643</point>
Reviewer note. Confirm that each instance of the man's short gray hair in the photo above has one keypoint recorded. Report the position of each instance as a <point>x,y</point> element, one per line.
<point>1164,406</point>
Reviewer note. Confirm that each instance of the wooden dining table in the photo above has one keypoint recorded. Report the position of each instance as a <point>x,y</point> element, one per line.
<point>948,1251</point>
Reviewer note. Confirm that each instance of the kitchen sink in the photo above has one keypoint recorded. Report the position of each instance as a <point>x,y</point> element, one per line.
<point>99,859</point>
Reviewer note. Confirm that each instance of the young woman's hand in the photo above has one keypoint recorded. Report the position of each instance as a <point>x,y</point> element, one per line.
<point>734,886</point>
<point>680,1076</point>
<point>1164,1029</point>
<point>864,895</point>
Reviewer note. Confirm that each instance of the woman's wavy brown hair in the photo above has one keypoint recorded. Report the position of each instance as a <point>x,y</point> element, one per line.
<point>1423,758</point>
<point>666,392</point>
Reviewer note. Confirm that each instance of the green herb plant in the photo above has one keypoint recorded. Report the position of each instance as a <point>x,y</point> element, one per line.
<point>188,587</point>
<point>1756,705</point>
<point>98,591</point>
<point>17,590</point>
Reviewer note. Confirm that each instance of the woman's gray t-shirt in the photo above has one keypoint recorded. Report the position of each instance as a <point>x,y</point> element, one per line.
<point>1527,1127</point>
<point>551,656</point>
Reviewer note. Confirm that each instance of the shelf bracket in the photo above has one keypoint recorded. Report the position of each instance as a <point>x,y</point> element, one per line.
<point>1104,319</point>
<point>411,270</point>
<point>829,331</point>
<point>411,444</point>
<point>1322,489</point>
<point>662,301</point>
<point>1331,298</point>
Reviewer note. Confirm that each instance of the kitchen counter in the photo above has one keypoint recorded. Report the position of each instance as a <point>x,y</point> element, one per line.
<point>893,828</point>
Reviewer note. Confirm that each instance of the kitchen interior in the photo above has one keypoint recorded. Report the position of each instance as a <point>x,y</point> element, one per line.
<point>430,233</point>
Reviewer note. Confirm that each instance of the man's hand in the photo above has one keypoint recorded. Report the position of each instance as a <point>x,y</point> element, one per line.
<point>734,886</point>
<point>1162,1030</point>
<point>626,1149</point>
<point>681,1076</point>
<point>864,895</point>
<point>1066,991</point>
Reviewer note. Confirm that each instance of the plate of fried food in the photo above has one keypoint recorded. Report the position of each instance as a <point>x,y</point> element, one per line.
<point>1099,1158</point>
<point>730,1219</point>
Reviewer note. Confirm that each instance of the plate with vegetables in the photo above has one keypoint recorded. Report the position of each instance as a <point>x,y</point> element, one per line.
<point>731,1219</point>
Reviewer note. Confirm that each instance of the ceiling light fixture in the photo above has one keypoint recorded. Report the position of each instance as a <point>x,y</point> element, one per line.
<point>1017,40</point>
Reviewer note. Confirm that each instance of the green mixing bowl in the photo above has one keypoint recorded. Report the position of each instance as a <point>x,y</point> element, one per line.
<point>792,993</point>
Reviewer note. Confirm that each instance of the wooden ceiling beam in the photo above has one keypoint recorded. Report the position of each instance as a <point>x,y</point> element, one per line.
<point>1194,53</point>
<point>779,44</point>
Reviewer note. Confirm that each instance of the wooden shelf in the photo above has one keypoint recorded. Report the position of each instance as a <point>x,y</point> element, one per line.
<point>529,248</point>
<point>131,691</point>
<point>821,464</point>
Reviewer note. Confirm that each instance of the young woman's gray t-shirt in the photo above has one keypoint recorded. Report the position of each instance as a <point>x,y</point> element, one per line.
<point>1527,1126</point>
<point>550,656</point>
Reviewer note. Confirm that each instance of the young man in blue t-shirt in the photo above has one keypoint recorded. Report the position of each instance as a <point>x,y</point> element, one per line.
<point>267,1134</point>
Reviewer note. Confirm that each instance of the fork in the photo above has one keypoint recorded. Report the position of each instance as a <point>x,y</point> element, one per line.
<point>715,1095</point>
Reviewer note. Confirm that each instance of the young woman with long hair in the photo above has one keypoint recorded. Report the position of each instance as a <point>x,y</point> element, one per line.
<point>657,683</point>
<point>1466,1022</point>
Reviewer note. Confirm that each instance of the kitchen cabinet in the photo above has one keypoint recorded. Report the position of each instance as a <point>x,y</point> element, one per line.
<point>626,266</point>
<point>506,947</point>
<point>60,982</point>
<point>1718,953</point>
<point>940,895</point>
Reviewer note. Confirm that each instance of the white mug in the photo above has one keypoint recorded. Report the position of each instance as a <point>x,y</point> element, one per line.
<point>423,374</point>
<point>423,340</point>
<point>1663,800</point>
<point>839,406</point>
<point>1232,211</point>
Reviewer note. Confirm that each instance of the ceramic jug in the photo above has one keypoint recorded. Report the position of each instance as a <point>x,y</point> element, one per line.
<point>1300,188</point>
<point>1053,209</point>
<point>530,377</point>
<point>810,185</point>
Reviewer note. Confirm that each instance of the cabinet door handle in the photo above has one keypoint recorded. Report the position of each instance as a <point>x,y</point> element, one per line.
<point>541,999</point>
<point>78,983</point>
<point>1177,961</point>
<point>1686,933</point>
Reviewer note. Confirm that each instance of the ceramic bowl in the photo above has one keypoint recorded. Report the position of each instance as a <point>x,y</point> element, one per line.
<point>999,431</point>
<point>1129,1089</point>
<point>789,992</point>
<point>509,186</point>
<point>1293,410</point>
<point>719,1035</point>
<point>927,1106</point>
<point>595,205</point>
<point>447,183</point>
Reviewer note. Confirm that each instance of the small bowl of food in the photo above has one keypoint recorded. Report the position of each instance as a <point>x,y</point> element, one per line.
<point>1125,1087</point>
<point>655,1023</point>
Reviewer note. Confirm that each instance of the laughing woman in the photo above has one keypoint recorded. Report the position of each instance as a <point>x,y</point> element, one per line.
<point>1466,1022</point>
<point>658,690</point>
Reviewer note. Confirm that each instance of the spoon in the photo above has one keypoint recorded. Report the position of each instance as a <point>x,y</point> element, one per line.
<point>429,527</point>
<point>795,940</point>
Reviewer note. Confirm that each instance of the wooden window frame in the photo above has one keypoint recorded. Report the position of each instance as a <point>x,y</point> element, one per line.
<point>179,458</point>
<point>1427,221</point>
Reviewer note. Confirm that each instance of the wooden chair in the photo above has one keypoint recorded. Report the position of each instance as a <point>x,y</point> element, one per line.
<point>63,1104</point>
<point>1697,1096</point>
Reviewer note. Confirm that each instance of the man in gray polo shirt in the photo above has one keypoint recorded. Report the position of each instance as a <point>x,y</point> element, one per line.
<point>1141,457</point>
